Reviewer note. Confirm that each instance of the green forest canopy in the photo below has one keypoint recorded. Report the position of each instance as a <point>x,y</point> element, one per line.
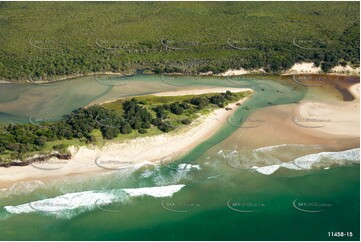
<point>43,39</point>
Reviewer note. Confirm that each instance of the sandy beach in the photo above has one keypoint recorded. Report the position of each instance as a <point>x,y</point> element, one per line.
<point>135,152</point>
<point>340,119</point>
<point>333,124</point>
<point>241,71</point>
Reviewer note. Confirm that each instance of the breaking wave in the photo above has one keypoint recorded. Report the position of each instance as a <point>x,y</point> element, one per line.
<point>265,162</point>
<point>72,204</point>
<point>315,161</point>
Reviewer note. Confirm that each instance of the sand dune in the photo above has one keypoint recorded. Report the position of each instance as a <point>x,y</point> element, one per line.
<point>297,68</point>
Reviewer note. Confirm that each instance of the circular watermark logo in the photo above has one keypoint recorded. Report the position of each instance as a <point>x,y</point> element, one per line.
<point>106,122</point>
<point>310,44</point>
<point>245,123</point>
<point>112,44</point>
<point>311,207</point>
<point>179,206</point>
<point>46,81</point>
<point>236,160</point>
<point>309,80</point>
<point>246,206</point>
<point>49,164</point>
<point>186,64</point>
<point>55,205</point>
<point>310,123</point>
<point>113,163</point>
<point>113,207</point>
<point>179,80</point>
<point>41,120</point>
<point>177,163</point>
<point>46,43</point>
<point>243,43</point>
<point>173,44</point>
<point>113,80</point>
<point>241,80</point>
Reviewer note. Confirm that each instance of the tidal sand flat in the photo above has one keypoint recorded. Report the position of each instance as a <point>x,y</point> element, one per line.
<point>321,128</point>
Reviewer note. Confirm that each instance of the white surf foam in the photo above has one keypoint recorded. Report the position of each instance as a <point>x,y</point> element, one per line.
<point>266,170</point>
<point>71,204</point>
<point>162,191</point>
<point>221,153</point>
<point>61,205</point>
<point>341,158</point>
<point>187,167</point>
<point>323,159</point>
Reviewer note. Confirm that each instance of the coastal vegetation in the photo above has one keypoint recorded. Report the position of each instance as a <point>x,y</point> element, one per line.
<point>143,115</point>
<point>47,40</point>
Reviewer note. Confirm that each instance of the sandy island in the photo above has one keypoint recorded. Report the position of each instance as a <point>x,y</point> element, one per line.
<point>135,152</point>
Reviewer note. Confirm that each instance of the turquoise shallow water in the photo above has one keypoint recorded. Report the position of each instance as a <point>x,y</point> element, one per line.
<point>207,216</point>
<point>218,201</point>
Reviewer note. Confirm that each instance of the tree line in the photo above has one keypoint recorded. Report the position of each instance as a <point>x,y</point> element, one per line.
<point>20,139</point>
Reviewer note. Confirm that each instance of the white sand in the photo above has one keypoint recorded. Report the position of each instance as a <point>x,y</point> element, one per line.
<point>135,152</point>
<point>339,119</point>
<point>348,70</point>
<point>298,68</point>
<point>202,91</point>
<point>241,71</point>
<point>355,90</point>
<point>303,68</point>
<point>342,119</point>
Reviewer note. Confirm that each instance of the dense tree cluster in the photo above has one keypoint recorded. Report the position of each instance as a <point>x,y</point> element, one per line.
<point>20,139</point>
<point>200,102</point>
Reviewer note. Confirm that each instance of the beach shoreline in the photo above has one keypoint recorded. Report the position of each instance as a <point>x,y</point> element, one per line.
<point>330,123</point>
<point>134,152</point>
